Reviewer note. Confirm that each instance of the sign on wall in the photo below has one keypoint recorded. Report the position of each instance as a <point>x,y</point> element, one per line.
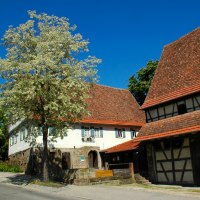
<point>82,158</point>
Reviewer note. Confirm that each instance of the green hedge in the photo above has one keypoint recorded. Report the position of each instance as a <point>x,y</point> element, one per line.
<point>4,167</point>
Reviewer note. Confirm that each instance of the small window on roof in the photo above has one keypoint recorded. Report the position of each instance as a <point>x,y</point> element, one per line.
<point>182,109</point>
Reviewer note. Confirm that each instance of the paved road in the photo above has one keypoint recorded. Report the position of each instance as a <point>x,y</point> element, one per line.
<point>17,187</point>
<point>10,192</point>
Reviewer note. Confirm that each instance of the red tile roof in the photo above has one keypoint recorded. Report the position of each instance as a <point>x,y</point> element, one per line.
<point>177,125</point>
<point>173,95</point>
<point>126,146</point>
<point>178,72</point>
<point>109,105</point>
<point>182,131</point>
<point>110,122</point>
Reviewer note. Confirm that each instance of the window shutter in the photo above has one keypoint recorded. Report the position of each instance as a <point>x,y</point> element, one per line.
<point>21,135</point>
<point>131,131</point>
<point>124,133</point>
<point>133,134</point>
<point>25,133</point>
<point>40,130</point>
<point>116,132</point>
<point>82,131</point>
<point>52,131</point>
<point>101,132</point>
<point>92,131</point>
<point>15,139</point>
<point>10,140</point>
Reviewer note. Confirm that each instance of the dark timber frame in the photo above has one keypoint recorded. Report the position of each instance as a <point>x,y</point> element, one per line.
<point>173,161</point>
<point>174,104</point>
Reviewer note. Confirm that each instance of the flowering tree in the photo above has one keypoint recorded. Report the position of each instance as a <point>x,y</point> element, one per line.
<point>45,76</point>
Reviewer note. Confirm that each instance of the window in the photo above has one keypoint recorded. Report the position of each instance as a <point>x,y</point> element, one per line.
<point>182,109</point>
<point>52,131</point>
<point>133,133</point>
<point>93,132</point>
<point>40,131</point>
<point>13,139</point>
<point>87,132</point>
<point>22,134</point>
<point>98,132</point>
<point>120,133</point>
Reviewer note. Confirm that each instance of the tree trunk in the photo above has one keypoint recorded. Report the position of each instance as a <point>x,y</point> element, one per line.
<point>45,155</point>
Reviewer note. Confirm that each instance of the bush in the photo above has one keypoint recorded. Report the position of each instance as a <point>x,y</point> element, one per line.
<point>4,167</point>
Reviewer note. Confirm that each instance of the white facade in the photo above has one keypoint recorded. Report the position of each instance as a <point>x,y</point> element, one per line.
<point>74,138</point>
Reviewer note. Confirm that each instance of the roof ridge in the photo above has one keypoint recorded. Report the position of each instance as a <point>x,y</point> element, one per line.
<point>182,37</point>
<point>111,87</point>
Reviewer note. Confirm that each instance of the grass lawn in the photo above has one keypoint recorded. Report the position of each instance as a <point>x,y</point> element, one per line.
<point>5,167</point>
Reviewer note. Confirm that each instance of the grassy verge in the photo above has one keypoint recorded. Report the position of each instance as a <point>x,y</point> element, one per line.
<point>4,167</point>
<point>165,188</point>
<point>48,184</point>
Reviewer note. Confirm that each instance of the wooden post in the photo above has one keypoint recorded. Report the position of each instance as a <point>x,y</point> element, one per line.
<point>106,165</point>
<point>131,169</point>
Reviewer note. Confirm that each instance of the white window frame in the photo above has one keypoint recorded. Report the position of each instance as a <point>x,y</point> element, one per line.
<point>120,133</point>
<point>22,133</point>
<point>87,132</point>
<point>97,133</point>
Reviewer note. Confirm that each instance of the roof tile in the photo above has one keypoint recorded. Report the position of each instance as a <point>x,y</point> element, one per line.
<point>126,146</point>
<point>178,72</point>
<point>112,105</point>
<point>171,126</point>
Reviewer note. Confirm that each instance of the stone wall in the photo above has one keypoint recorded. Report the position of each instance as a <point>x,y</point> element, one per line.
<point>21,159</point>
<point>60,160</point>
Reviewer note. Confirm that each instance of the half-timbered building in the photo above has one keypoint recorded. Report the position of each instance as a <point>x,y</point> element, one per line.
<point>172,107</point>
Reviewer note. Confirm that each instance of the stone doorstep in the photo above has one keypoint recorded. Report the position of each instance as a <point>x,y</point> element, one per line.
<point>112,182</point>
<point>141,180</point>
<point>108,178</point>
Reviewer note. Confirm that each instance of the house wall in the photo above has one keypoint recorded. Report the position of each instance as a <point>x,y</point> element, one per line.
<point>73,139</point>
<point>170,164</point>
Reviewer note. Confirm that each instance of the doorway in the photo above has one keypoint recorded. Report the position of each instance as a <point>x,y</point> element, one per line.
<point>93,159</point>
<point>195,154</point>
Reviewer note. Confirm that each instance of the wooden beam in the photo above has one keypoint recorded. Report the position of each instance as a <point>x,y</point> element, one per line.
<point>172,156</point>
<point>164,172</point>
<point>184,167</point>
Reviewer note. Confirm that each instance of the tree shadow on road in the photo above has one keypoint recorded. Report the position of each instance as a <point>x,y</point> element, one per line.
<point>19,179</point>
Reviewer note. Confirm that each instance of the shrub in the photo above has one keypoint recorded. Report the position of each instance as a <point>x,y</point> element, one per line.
<point>4,167</point>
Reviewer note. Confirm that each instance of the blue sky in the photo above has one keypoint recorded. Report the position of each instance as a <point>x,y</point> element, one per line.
<point>125,34</point>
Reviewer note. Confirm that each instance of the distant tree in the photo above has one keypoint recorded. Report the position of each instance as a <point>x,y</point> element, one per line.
<point>139,84</point>
<point>46,76</point>
<point>3,136</point>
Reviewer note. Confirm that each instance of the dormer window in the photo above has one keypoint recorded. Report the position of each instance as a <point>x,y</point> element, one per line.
<point>182,109</point>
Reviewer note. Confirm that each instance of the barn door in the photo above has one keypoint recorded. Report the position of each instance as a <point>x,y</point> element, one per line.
<point>195,150</point>
<point>173,161</point>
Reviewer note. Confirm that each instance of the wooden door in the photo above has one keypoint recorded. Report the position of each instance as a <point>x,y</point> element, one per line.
<point>195,151</point>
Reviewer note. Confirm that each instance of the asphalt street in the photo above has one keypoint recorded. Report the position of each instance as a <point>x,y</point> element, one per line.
<point>17,187</point>
<point>12,192</point>
<point>9,192</point>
